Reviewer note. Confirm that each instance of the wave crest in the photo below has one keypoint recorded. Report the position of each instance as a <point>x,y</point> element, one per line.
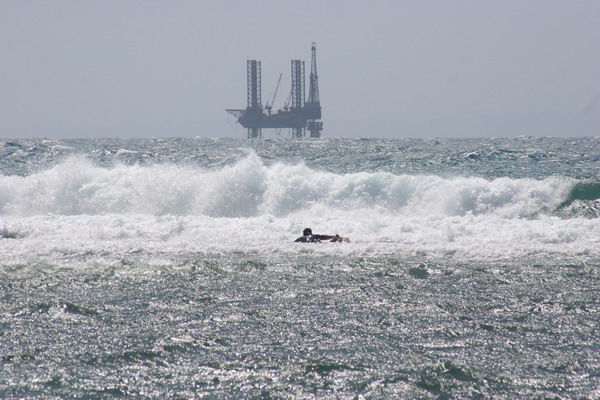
<point>250,188</point>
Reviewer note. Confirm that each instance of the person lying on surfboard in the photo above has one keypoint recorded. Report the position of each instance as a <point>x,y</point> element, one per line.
<point>308,237</point>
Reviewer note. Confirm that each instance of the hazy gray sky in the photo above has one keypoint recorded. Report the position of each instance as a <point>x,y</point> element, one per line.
<point>149,68</point>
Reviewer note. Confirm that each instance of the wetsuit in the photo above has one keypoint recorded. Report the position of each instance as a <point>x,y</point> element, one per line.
<point>313,238</point>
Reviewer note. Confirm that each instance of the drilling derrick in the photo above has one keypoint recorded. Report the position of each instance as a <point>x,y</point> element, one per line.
<point>313,105</point>
<point>302,114</point>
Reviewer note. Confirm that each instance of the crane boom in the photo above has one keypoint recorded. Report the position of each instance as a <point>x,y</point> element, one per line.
<point>269,105</point>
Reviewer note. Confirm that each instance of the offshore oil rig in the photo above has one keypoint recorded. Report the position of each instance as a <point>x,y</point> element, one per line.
<point>297,114</point>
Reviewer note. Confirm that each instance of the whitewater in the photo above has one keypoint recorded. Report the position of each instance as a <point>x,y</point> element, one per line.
<point>176,253</point>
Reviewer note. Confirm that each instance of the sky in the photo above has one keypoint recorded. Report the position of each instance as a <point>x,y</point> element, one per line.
<point>387,68</point>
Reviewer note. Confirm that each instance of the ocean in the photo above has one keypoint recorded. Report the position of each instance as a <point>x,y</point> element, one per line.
<point>167,269</point>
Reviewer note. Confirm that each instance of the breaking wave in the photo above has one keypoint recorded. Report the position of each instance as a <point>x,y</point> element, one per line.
<point>251,188</point>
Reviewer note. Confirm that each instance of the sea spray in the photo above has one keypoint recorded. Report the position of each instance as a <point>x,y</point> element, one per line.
<point>251,188</point>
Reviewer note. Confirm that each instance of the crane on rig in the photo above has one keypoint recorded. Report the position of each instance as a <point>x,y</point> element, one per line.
<point>300,116</point>
<point>269,105</point>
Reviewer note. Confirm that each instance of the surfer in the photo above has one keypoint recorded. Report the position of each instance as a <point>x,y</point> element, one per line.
<point>308,237</point>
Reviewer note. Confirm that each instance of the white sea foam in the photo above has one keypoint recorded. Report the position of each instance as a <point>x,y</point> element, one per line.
<point>76,209</point>
<point>250,188</point>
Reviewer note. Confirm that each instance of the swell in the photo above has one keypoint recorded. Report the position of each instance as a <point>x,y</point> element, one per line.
<point>583,200</point>
<point>583,191</point>
<point>250,188</point>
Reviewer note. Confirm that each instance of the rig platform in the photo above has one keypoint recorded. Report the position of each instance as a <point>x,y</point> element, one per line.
<point>299,116</point>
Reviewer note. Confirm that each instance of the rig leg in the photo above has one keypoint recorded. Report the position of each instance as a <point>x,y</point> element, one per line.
<point>315,128</point>
<point>298,133</point>
<point>254,133</point>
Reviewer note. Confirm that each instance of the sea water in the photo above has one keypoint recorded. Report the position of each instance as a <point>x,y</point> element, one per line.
<point>167,268</point>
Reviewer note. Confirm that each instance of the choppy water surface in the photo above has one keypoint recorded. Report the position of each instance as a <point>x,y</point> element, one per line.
<point>166,269</point>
